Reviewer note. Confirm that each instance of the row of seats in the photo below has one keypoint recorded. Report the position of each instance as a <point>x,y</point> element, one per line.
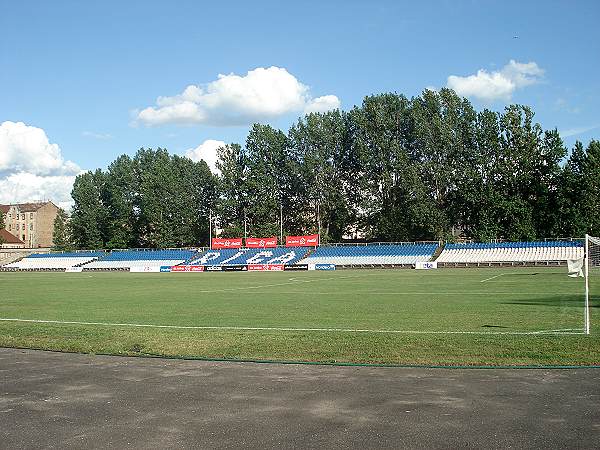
<point>243,256</point>
<point>55,262</point>
<point>515,252</point>
<point>149,255</point>
<point>527,244</point>
<point>395,254</point>
<point>81,254</point>
<point>127,264</point>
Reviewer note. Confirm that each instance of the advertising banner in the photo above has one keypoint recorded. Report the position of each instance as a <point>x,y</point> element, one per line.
<point>427,265</point>
<point>74,269</point>
<point>165,268</point>
<point>261,242</point>
<point>145,269</point>
<point>188,269</point>
<point>219,243</point>
<point>324,266</point>
<point>296,267</point>
<point>233,268</point>
<point>265,267</point>
<point>311,240</point>
<point>213,268</point>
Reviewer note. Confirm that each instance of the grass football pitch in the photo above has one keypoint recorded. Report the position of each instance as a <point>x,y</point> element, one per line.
<point>503,316</point>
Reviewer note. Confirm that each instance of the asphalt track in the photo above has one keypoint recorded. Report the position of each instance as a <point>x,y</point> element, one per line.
<point>55,400</point>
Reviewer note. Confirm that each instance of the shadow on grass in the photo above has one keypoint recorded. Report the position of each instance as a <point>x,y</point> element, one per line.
<point>574,301</point>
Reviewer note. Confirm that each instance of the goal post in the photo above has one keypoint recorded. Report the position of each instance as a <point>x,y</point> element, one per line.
<point>592,275</point>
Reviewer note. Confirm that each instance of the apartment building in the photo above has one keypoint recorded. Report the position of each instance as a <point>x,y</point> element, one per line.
<point>32,223</point>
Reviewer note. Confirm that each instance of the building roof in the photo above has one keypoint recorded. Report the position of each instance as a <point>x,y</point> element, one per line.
<point>24,207</point>
<point>9,238</point>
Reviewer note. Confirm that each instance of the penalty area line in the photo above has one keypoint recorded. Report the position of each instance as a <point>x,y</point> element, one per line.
<point>325,330</point>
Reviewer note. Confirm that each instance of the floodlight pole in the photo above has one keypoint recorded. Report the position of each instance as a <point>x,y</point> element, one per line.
<point>245,227</point>
<point>319,219</point>
<point>586,262</point>
<point>280,222</point>
<point>210,228</point>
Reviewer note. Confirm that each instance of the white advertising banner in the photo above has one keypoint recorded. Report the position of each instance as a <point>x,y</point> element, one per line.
<point>426,265</point>
<point>74,269</point>
<point>146,269</point>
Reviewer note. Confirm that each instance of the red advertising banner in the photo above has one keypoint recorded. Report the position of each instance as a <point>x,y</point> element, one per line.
<point>302,241</point>
<point>218,243</point>
<point>265,267</point>
<point>187,269</point>
<point>261,242</point>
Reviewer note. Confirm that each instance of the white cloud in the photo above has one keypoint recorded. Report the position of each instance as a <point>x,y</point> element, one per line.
<point>32,168</point>
<point>322,104</point>
<point>263,93</point>
<point>497,85</point>
<point>206,151</point>
<point>24,186</point>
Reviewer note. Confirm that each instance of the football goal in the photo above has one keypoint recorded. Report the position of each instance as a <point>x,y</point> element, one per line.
<point>592,276</point>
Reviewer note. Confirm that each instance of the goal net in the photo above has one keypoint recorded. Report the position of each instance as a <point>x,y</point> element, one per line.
<point>592,276</point>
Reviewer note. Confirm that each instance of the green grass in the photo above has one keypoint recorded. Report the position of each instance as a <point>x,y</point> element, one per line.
<point>511,301</point>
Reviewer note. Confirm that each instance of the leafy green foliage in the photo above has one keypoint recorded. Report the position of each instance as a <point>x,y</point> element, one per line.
<point>151,200</point>
<point>393,169</point>
<point>61,236</point>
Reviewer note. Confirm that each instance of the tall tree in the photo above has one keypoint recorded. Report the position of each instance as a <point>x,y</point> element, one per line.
<point>320,156</point>
<point>61,236</point>
<point>88,218</point>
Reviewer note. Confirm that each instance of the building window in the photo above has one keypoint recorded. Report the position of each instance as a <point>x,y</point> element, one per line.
<point>31,215</point>
<point>17,227</point>
<point>22,216</point>
<point>9,227</point>
<point>31,226</point>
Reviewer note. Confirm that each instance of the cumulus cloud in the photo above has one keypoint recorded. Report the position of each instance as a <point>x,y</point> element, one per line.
<point>32,168</point>
<point>322,104</point>
<point>207,151</point>
<point>497,85</point>
<point>263,93</point>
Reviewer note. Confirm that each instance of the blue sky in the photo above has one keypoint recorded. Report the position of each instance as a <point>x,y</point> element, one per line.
<point>84,78</point>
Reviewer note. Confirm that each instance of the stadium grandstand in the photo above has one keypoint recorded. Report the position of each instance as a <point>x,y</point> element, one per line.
<point>243,256</point>
<point>379,254</point>
<point>56,261</point>
<point>141,258</point>
<point>344,255</point>
<point>511,252</point>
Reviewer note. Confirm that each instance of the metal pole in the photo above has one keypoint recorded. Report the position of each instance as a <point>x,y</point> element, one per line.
<point>245,228</point>
<point>586,261</point>
<point>280,222</point>
<point>319,219</point>
<point>210,228</point>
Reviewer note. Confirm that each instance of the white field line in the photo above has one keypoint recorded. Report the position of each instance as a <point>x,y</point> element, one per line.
<point>328,330</point>
<point>491,278</point>
<point>432,294</point>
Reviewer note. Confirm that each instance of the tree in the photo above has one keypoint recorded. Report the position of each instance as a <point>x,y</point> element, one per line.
<point>88,218</point>
<point>319,147</point>
<point>61,237</point>
<point>119,196</point>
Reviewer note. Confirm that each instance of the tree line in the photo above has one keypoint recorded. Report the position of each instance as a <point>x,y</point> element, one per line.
<point>392,169</point>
